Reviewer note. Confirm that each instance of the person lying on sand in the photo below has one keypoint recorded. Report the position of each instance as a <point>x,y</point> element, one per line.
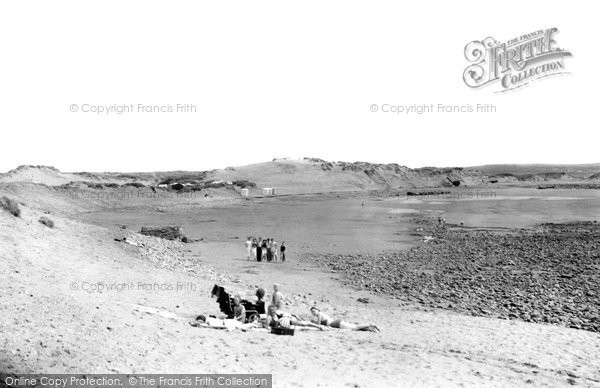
<point>277,318</point>
<point>323,319</point>
<point>223,324</point>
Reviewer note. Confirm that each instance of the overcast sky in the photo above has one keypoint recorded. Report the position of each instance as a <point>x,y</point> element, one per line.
<point>279,79</point>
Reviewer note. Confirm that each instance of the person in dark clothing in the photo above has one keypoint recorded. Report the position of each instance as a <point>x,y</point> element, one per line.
<point>282,250</point>
<point>258,250</point>
<point>269,251</point>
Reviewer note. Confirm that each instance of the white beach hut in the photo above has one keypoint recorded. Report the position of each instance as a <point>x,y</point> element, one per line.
<point>269,191</point>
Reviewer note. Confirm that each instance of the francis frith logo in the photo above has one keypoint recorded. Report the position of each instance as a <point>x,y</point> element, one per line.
<point>516,62</point>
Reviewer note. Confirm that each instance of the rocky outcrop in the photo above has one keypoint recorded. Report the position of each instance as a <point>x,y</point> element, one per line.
<point>545,274</point>
<point>10,206</point>
<point>164,232</point>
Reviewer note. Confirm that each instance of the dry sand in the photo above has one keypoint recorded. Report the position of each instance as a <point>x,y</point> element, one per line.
<point>50,324</point>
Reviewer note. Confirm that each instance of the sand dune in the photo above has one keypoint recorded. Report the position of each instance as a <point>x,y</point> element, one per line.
<point>312,175</point>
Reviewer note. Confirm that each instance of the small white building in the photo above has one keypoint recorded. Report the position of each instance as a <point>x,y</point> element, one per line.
<point>269,191</point>
<point>245,192</point>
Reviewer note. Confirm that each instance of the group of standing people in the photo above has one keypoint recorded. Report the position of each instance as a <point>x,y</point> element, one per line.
<point>260,249</point>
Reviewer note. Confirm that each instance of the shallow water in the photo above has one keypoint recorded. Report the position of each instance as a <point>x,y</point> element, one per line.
<point>341,225</point>
<point>512,207</point>
<point>318,224</point>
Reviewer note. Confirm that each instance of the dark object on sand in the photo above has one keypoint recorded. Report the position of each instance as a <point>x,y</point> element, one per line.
<point>46,221</point>
<point>166,232</point>
<point>282,330</point>
<point>364,300</point>
<point>455,183</point>
<point>10,206</point>
<point>427,193</point>
<point>244,184</point>
<point>253,310</point>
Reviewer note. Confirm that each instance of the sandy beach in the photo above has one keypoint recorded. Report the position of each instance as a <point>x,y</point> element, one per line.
<point>79,299</point>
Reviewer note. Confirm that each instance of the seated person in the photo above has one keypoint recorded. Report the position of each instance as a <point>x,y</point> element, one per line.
<point>239,311</point>
<point>260,295</point>
<point>277,298</point>
<point>325,320</point>
<point>277,318</point>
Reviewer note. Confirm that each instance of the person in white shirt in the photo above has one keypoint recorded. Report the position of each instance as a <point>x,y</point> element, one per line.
<point>249,247</point>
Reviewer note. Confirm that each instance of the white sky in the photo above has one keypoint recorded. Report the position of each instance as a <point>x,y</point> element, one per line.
<point>281,79</point>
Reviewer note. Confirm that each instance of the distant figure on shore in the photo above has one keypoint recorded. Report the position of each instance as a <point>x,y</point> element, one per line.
<point>263,250</point>
<point>277,298</point>
<point>274,251</point>
<point>282,250</point>
<point>259,249</point>
<point>254,245</point>
<point>325,320</point>
<point>249,248</point>
<point>269,250</point>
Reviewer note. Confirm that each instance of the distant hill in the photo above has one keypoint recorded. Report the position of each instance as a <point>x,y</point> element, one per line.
<point>313,175</point>
<point>51,176</point>
<point>316,175</point>
<point>575,170</point>
<point>43,175</point>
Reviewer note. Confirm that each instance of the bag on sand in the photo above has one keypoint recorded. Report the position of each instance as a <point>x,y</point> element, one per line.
<point>282,330</point>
